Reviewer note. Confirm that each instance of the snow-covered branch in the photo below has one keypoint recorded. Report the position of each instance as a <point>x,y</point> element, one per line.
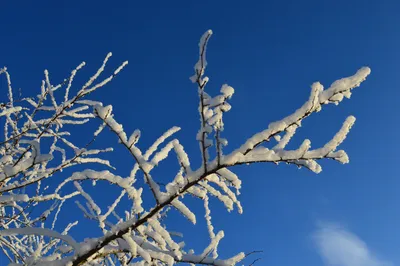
<point>37,146</point>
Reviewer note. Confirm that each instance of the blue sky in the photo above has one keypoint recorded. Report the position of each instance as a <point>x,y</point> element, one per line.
<point>270,52</point>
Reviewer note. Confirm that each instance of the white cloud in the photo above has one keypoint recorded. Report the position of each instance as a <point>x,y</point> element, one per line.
<point>339,247</point>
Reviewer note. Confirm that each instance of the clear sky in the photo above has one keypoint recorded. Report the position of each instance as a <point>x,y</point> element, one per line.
<point>270,52</point>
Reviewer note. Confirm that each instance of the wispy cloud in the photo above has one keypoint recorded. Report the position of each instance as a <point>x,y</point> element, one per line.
<point>339,247</point>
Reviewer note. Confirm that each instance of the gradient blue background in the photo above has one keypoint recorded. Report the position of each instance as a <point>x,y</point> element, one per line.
<point>270,52</point>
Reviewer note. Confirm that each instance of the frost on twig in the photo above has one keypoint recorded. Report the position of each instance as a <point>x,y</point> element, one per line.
<point>37,146</point>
